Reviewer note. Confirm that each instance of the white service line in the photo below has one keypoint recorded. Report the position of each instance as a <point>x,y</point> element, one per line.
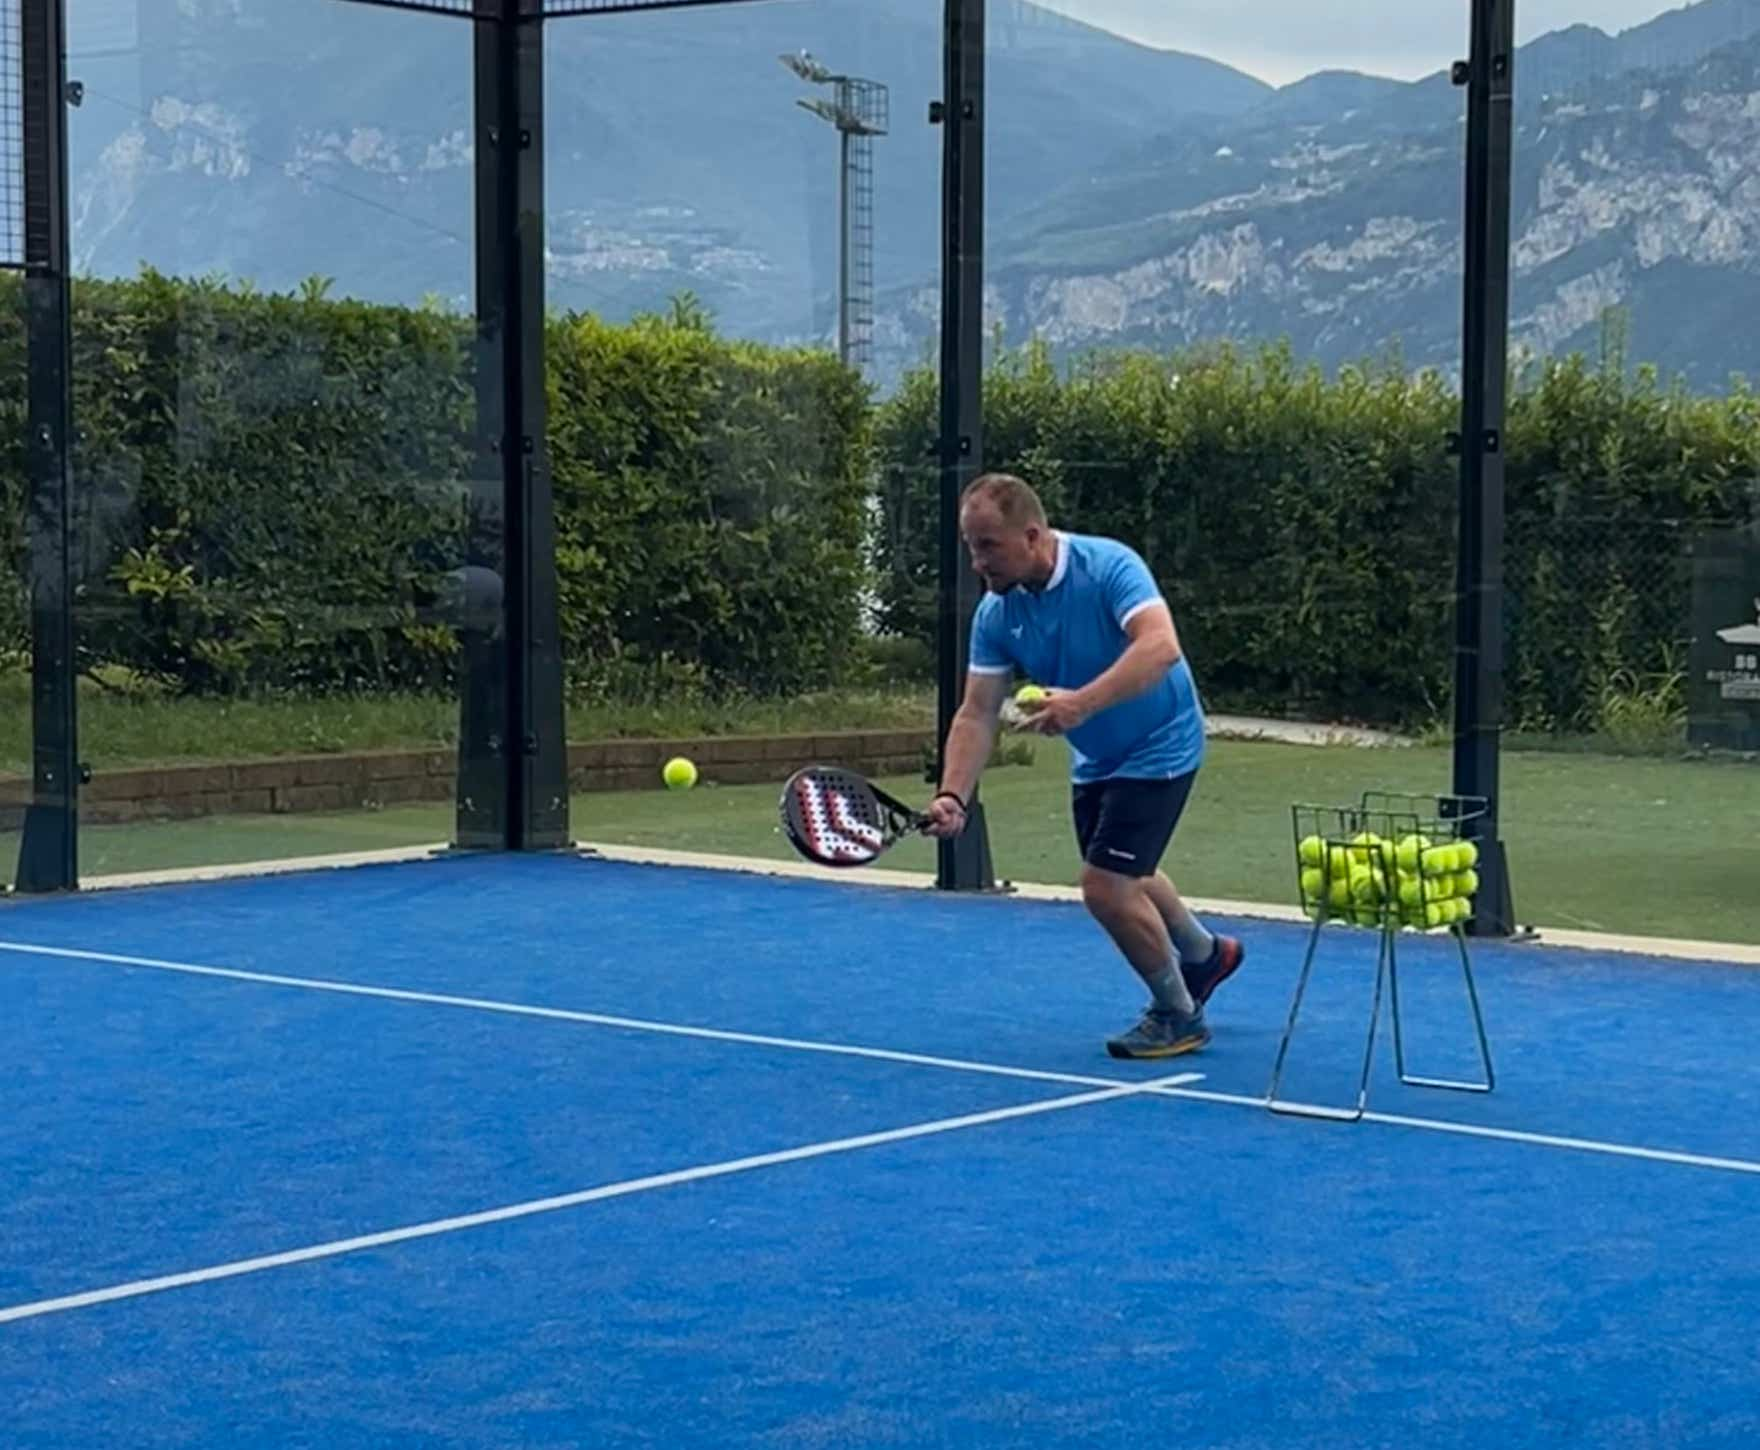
<point>1698,952</point>
<point>338,1247</point>
<point>561,1014</point>
<point>1434,1125</point>
<point>1478,1130</point>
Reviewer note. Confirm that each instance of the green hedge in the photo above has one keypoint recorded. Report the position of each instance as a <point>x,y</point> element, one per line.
<point>272,489</point>
<point>711,500</point>
<point>1303,528</point>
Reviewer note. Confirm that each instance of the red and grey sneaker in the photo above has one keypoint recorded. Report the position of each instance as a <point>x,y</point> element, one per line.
<point>1203,979</point>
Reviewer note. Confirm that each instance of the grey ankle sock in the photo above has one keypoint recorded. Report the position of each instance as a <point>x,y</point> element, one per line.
<point>1194,943</point>
<point>1168,987</point>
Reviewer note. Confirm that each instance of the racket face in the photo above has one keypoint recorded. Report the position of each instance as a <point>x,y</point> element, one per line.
<point>833,817</point>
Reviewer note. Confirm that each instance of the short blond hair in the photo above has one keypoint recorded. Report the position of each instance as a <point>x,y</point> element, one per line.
<point>1013,497</point>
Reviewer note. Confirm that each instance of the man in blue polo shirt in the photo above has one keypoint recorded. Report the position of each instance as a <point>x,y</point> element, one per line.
<point>1083,617</point>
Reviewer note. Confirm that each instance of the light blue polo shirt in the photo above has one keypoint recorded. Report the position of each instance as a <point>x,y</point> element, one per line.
<point>1071,632</point>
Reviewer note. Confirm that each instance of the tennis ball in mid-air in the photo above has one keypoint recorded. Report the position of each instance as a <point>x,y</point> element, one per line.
<point>679,774</point>
<point>1030,694</point>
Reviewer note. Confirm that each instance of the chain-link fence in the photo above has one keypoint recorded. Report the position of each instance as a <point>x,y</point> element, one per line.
<point>1598,614</point>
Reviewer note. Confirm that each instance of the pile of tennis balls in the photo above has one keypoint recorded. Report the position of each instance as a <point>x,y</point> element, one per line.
<point>1413,881</point>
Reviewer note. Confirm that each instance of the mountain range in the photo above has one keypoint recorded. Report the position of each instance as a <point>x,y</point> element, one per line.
<point>1135,196</point>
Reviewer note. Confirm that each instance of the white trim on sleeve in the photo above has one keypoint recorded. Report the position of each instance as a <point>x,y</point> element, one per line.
<point>1137,609</point>
<point>989,669</point>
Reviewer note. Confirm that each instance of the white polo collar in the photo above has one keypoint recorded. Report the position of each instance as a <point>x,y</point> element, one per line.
<point>1061,567</point>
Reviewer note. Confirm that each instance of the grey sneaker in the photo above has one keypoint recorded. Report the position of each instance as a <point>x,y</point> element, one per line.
<point>1162,1033</point>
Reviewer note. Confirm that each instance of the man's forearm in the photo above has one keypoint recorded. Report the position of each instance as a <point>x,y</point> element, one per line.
<point>969,742</point>
<point>1143,663</point>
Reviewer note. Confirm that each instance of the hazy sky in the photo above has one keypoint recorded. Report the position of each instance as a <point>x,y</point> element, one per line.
<point>1283,40</point>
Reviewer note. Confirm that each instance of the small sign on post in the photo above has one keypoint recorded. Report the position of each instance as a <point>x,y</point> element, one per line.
<point>1724,690</point>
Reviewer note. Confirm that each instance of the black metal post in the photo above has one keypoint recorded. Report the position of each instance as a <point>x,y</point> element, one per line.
<point>1489,76</point>
<point>513,757</point>
<point>845,332</point>
<point>964,863</point>
<point>49,850</point>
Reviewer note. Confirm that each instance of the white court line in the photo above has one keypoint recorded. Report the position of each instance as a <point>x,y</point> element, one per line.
<point>1674,948</point>
<point>338,1247</point>
<point>559,1014</point>
<point>1669,948</point>
<point>269,866</point>
<point>1476,1130</point>
<point>595,1019</point>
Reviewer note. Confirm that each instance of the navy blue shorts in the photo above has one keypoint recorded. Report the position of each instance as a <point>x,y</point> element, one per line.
<point>1124,824</point>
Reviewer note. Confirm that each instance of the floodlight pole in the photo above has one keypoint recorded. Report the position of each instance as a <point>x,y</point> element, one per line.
<point>1489,77</point>
<point>859,112</point>
<point>48,858</point>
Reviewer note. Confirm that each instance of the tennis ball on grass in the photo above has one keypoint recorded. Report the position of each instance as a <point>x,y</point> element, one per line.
<point>679,774</point>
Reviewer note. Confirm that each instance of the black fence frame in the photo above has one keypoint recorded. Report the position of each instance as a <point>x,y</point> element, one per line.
<point>512,770</point>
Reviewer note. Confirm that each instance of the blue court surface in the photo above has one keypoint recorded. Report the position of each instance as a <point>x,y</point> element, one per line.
<point>558,1151</point>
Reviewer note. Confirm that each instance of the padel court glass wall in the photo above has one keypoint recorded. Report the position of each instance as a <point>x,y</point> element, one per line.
<point>744,208</point>
<point>1630,566</point>
<point>1231,319</point>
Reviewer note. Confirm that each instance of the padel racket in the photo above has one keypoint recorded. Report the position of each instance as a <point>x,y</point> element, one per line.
<point>837,818</point>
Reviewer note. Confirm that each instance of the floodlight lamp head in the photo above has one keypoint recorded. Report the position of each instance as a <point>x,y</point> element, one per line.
<point>808,69</point>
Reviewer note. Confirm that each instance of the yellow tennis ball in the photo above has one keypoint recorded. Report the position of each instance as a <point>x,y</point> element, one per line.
<point>1409,850</point>
<point>1312,851</point>
<point>1313,883</point>
<point>1030,694</point>
<point>1467,853</point>
<point>679,774</point>
<point>1466,883</point>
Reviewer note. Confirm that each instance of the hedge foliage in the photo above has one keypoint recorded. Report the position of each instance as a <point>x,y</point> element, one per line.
<point>1303,528</point>
<point>272,489</point>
